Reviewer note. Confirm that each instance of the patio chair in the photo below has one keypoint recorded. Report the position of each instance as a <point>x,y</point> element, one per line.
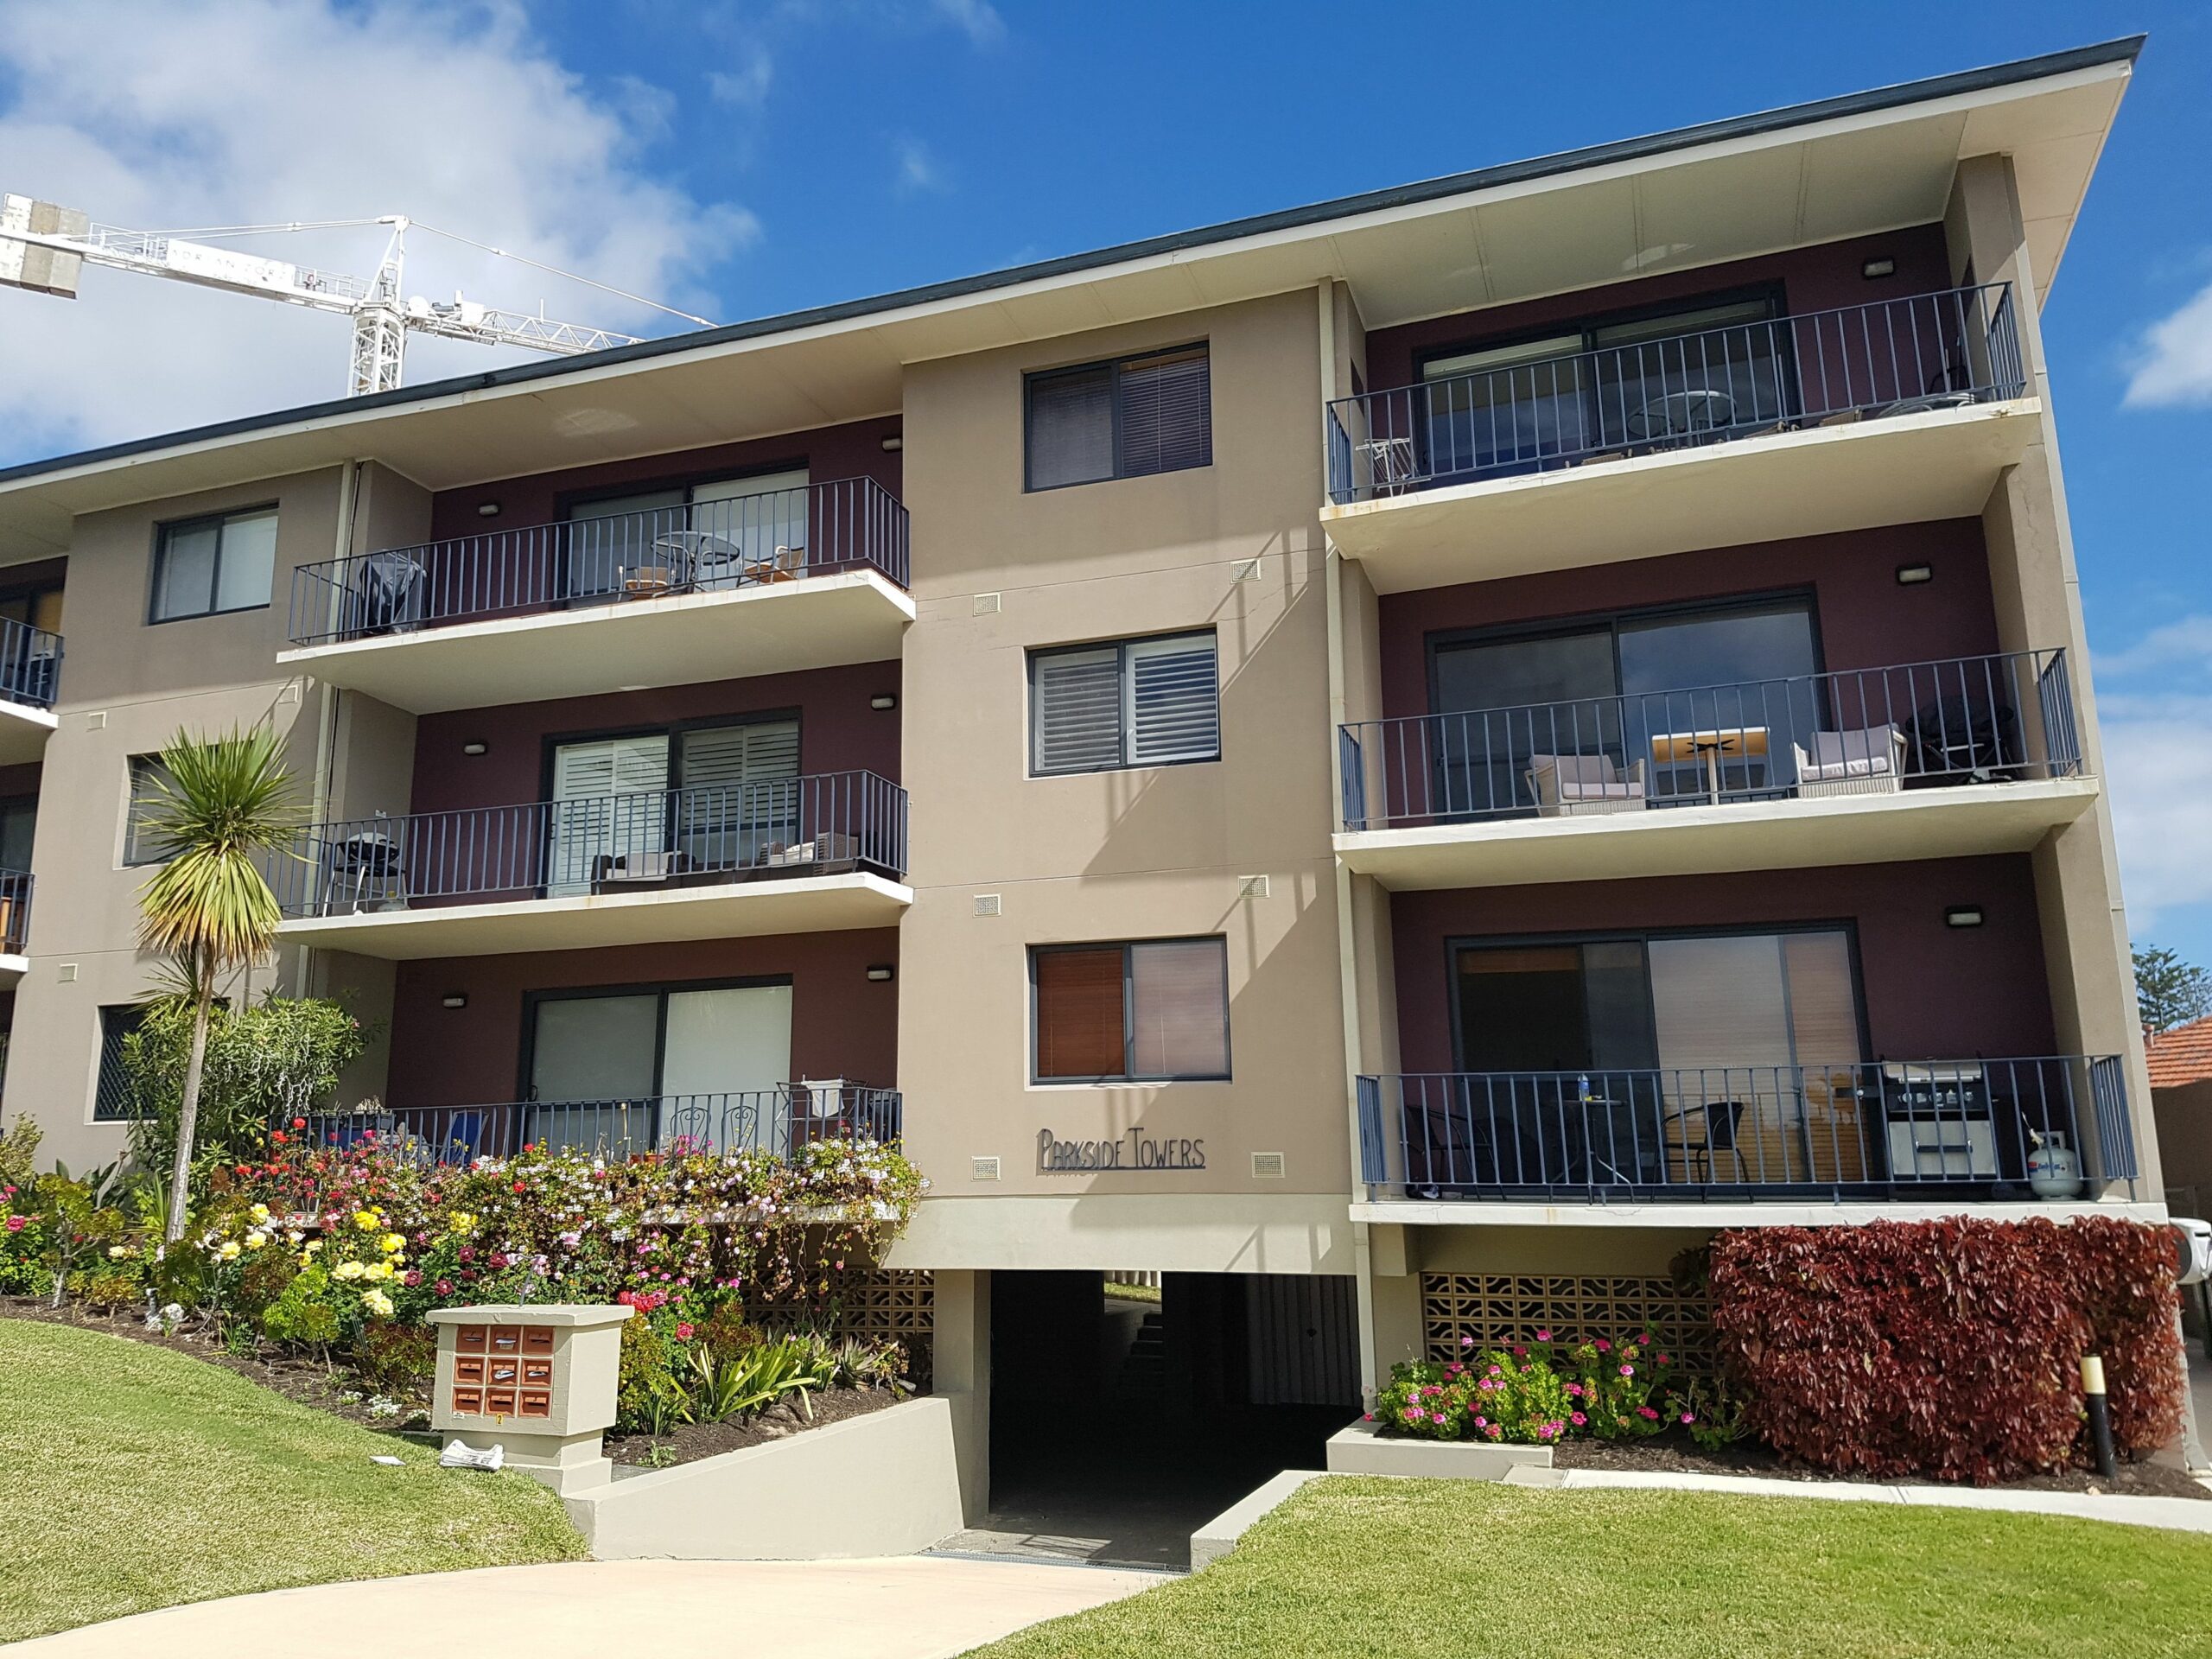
<point>1574,785</point>
<point>1698,1129</point>
<point>1867,762</point>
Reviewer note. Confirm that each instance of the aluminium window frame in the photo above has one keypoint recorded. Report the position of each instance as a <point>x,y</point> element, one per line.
<point>157,565</point>
<point>1033,377</point>
<point>1128,1074</point>
<point>1126,681</point>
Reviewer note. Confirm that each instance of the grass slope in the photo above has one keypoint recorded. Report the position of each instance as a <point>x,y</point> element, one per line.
<point>133,1477</point>
<point>1382,1567</point>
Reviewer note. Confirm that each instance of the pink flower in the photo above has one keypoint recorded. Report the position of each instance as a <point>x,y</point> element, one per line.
<point>1689,1417</point>
<point>1628,1370</point>
<point>1496,1371</point>
<point>1481,1421</point>
<point>1661,1358</point>
<point>444,1287</point>
<point>1543,1336</point>
<point>1604,1347</point>
<point>1496,1433</point>
<point>683,1330</point>
<point>15,1223</point>
<point>1519,1352</point>
<point>411,1278</point>
<point>1575,1389</point>
<point>1647,1413</point>
<point>1466,1342</point>
<point>1577,1419</point>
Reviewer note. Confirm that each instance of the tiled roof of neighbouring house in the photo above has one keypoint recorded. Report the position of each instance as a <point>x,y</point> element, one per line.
<point>2182,1055</point>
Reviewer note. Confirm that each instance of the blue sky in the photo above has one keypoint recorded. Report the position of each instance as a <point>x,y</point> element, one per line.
<point>742,159</point>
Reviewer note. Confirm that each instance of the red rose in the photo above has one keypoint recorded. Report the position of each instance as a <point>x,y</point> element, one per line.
<point>277,1135</point>
<point>299,1122</point>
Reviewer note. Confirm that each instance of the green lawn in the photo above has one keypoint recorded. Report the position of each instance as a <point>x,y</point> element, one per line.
<point>133,1477</point>
<point>1387,1568</point>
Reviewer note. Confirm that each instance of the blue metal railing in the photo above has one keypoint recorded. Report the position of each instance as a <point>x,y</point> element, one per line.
<point>1857,731</point>
<point>30,663</point>
<point>825,823</point>
<point>776,1120</point>
<point>778,536</point>
<point>1894,357</point>
<point>2004,1128</point>
<point>15,911</point>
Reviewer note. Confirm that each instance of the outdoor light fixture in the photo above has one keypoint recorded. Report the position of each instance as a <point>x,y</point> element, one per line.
<point>883,700</point>
<point>1962,916</point>
<point>1883,267</point>
<point>475,745</point>
<point>454,1000</point>
<point>879,971</point>
<point>894,444</point>
<point>487,509</point>
<point>1911,576</point>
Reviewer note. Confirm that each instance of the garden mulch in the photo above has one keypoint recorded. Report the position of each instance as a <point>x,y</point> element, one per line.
<point>689,1442</point>
<point>310,1384</point>
<point>1679,1454</point>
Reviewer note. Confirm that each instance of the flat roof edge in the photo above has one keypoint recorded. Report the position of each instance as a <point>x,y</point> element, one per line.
<point>2124,49</point>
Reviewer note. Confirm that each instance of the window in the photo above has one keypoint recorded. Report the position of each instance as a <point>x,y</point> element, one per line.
<point>113,1097</point>
<point>1155,1012</point>
<point>1134,702</point>
<point>150,783</point>
<point>18,820</point>
<point>712,535</point>
<point>206,566</point>
<point>1124,419</point>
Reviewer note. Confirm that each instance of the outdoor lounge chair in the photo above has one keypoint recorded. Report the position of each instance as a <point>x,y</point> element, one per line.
<point>1868,761</point>
<point>1580,785</point>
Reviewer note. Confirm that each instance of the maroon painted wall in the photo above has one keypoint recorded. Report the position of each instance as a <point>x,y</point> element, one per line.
<point>1931,991</point>
<point>20,779</point>
<point>842,1023</point>
<point>1866,620</point>
<point>1814,279</point>
<point>829,453</point>
<point>837,730</point>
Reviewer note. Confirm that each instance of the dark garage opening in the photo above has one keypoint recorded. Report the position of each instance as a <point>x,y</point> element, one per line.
<point>1120,1424</point>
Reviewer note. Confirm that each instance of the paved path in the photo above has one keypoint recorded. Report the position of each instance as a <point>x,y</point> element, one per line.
<point>914,1607</point>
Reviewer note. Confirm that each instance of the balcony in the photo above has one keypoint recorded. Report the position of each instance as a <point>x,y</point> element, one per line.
<point>778,1121</point>
<point>787,855</point>
<point>1892,413</point>
<point>1922,760</point>
<point>14,925</point>
<point>30,676</point>
<point>758,584</point>
<point>2046,1130</point>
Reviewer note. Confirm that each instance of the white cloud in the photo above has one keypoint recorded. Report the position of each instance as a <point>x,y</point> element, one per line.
<point>918,171</point>
<point>251,111</point>
<point>2173,363</point>
<point>746,87</point>
<point>975,18</point>
<point>2154,702</point>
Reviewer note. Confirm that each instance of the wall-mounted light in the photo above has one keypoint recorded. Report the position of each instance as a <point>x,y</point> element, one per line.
<point>1885,266</point>
<point>487,509</point>
<point>879,971</point>
<point>453,1000</point>
<point>883,700</point>
<point>1962,916</point>
<point>1911,576</point>
<point>894,444</point>
<point>475,745</point>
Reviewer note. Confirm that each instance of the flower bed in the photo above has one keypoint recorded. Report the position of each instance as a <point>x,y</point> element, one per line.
<point>1549,1391</point>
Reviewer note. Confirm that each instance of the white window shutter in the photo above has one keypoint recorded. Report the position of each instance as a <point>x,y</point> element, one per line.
<point>1077,716</point>
<point>610,798</point>
<point>1174,700</point>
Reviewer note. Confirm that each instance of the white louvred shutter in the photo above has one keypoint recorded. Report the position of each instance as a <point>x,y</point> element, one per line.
<point>610,798</point>
<point>1174,700</point>
<point>1077,716</point>
<point>739,793</point>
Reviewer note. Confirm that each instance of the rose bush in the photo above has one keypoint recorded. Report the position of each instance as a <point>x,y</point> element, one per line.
<point>1538,1394</point>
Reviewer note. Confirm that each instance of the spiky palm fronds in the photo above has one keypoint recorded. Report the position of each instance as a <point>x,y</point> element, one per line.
<point>223,804</point>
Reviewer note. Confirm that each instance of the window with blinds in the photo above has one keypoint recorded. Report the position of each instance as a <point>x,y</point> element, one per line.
<point>149,785</point>
<point>1124,419</point>
<point>1156,1011</point>
<point>1134,702</point>
<point>738,792</point>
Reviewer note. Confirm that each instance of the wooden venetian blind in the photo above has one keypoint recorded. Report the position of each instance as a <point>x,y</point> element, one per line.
<point>1080,1030</point>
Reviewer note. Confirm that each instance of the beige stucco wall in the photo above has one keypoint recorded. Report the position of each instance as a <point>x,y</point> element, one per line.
<point>127,687</point>
<point>1152,853</point>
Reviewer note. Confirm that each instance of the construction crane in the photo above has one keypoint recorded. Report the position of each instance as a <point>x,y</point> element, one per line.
<point>43,247</point>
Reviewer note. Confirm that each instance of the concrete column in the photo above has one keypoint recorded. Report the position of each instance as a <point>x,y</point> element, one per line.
<point>1392,1289</point>
<point>961,1371</point>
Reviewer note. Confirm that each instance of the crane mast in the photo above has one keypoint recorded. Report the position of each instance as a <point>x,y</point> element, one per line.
<point>42,248</point>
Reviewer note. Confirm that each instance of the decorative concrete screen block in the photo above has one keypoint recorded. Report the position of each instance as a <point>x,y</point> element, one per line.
<point>1498,1310</point>
<point>538,1381</point>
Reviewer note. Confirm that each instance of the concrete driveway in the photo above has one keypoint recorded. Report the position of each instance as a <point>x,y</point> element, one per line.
<point>914,1607</point>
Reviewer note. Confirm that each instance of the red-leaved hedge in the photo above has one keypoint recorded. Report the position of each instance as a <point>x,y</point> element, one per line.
<point>1949,1348</point>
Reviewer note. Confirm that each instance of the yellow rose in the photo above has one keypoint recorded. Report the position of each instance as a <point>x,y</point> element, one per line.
<point>461,1221</point>
<point>230,1251</point>
<point>381,1270</point>
<point>309,1247</point>
<point>393,1242</point>
<point>117,1252</point>
<point>348,1270</point>
<point>365,1220</point>
<point>260,1212</point>
<point>378,1303</point>
<point>255,1241</point>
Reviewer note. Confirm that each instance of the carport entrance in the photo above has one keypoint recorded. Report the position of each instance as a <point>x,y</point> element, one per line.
<point>1120,1424</point>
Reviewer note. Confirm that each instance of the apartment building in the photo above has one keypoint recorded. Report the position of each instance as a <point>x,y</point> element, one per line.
<point>1397,764</point>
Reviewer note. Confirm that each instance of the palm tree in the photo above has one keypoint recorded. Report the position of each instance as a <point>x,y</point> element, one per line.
<point>222,802</point>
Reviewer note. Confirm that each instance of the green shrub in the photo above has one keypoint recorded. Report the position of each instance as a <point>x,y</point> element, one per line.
<point>269,1062</point>
<point>391,1357</point>
<point>645,1396</point>
<point>305,1316</point>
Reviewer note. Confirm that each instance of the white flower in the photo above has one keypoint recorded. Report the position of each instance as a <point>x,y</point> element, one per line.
<point>117,1252</point>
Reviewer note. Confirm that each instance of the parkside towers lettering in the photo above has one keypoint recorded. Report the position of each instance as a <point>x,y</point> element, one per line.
<point>1132,1150</point>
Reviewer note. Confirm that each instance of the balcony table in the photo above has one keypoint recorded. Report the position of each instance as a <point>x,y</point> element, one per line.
<point>1736,742</point>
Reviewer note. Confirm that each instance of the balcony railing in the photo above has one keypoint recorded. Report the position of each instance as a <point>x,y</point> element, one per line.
<point>15,911</point>
<point>1983,1128</point>
<point>778,536</point>
<point>30,663</point>
<point>1861,362</point>
<point>773,1120</point>
<point>829,823</point>
<point>1858,732</point>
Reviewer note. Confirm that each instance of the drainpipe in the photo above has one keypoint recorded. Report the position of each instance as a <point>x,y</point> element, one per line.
<point>326,734</point>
